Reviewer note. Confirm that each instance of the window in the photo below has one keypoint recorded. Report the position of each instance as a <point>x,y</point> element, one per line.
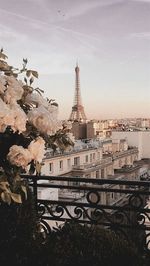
<point>102,173</point>
<point>77,161</point>
<point>93,156</point>
<point>69,163</point>
<point>86,158</point>
<point>51,167</point>
<point>61,165</point>
<point>97,174</point>
<point>90,157</point>
<point>120,163</point>
<point>98,155</point>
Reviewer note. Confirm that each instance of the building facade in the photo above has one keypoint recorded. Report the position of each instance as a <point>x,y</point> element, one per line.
<point>139,139</point>
<point>92,159</point>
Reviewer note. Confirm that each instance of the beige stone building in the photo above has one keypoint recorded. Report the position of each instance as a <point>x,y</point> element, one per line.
<point>79,130</point>
<point>91,130</point>
<point>139,139</point>
<point>98,129</point>
<point>95,159</point>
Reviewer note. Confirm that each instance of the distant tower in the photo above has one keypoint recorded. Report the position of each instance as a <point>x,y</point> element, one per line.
<point>77,113</point>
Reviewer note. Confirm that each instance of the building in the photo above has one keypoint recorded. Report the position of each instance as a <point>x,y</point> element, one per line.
<point>95,159</point>
<point>98,129</point>
<point>79,130</point>
<point>139,139</point>
<point>92,129</point>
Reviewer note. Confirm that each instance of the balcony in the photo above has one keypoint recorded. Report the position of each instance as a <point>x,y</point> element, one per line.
<point>127,169</point>
<point>120,205</point>
<point>120,154</point>
<point>102,162</point>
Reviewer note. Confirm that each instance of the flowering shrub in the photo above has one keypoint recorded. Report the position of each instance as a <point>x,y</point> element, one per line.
<point>28,124</point>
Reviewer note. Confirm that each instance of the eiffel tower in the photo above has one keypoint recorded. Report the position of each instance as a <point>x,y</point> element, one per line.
<point>77,113</point>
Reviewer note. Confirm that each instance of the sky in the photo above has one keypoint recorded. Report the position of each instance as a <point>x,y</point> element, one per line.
<point>110,39</point>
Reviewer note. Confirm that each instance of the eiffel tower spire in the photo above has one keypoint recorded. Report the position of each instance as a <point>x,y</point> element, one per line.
<point>77,113</point>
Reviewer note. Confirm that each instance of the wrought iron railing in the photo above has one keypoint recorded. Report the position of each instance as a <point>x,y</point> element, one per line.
<point>120,205</point>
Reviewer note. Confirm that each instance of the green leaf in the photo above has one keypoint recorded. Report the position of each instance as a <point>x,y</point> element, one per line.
<point>16,197</point>
<point>4,186</point>
<point>17,177</point>
<point>25,80</point>
<point>38,168</point>
<point>3,56</point>
<point>39,90</point>
<point>32,168</point>
<point>25,60</point>
<point>24,190</point>
<point>15,75</point>
<point>28,73</point>
<point>4,66</point>
<point>35,74</point>
<point>6,197</point>
<point>31,80</point>
<point>55,104</point>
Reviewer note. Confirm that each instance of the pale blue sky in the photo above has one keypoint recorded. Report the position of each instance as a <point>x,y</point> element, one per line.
<point>110,39</point>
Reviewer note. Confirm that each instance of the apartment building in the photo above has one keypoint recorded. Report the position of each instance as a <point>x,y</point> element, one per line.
<point>139,139</point>
<point>98,129</point>
<point>61,164</point>
<point>93,159</point>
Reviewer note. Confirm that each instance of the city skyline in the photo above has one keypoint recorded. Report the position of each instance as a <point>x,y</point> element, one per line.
<point>109,38</point>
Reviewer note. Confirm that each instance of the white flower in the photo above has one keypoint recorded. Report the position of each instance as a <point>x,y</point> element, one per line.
<point>6,116</point>
<point>12,115</point>
<point>20,118</point>
<point>44,121</point>
<point>39,117</point>
<point>37,149</point>
<point>37,99</point>
<point>53,109</point>
<point>2,84</point>
<point>14,90</point>
<point>2,126</point>
<point>19,156</point>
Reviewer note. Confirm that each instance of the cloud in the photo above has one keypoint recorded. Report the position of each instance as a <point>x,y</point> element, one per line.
<point>11,38</point>
<point>40,24</point>
<point>6,33</point>
<point>26,18</point>
<point>146,1</point>
<point>82,7</point>
<point>53,33</point>
<point>48,11</point>
<point>140,35</point>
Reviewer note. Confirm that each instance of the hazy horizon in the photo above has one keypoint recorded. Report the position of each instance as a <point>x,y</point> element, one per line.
<point>109,38</point>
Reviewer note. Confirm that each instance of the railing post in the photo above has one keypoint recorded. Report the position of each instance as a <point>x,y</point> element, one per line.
<point>35,194</point>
